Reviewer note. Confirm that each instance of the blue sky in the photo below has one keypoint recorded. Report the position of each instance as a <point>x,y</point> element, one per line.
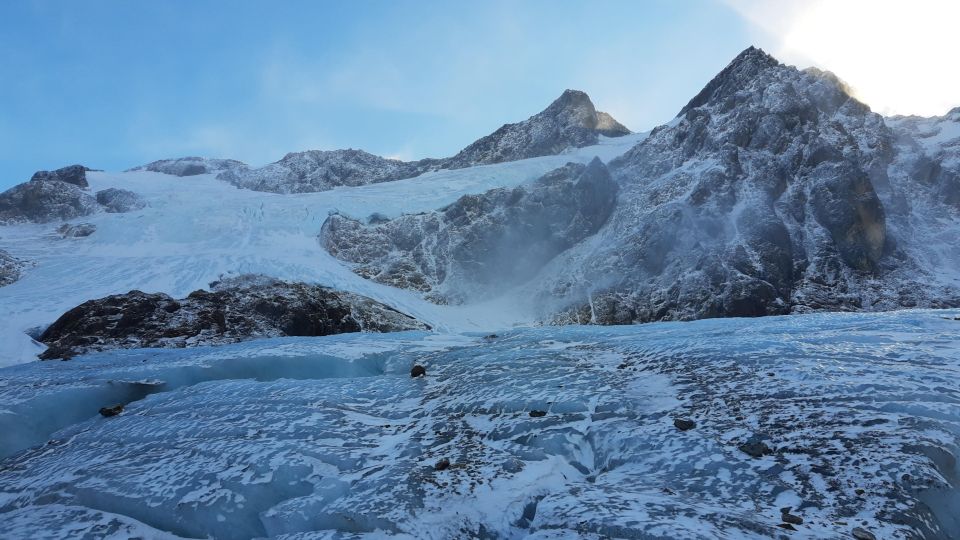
<point>114,84</point>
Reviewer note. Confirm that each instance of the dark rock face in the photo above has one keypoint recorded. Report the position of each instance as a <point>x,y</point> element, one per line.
<point>76,230</point>
<point>191,166</point>
<point>115,200</point>
<point>771,193</point>
<point>569,122</point>
<point>233,311</point>
<point>481,244</point>
<point>73,174</point>
<point>42,201</point>
<point>10,268</point>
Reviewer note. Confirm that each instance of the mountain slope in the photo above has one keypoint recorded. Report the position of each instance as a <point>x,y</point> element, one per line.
<point>772,192</point>
<point>482,244</point>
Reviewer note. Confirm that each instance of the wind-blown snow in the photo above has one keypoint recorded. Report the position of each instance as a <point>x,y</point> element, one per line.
<point>193,231</point>
<point>331,438</point>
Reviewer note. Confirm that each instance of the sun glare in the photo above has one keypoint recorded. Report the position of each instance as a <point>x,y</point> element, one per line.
<point>899,57</point>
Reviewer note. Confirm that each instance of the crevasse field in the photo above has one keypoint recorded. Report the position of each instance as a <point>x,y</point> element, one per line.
<point>850,420</point>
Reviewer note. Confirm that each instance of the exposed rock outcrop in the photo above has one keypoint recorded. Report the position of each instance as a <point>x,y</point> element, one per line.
<point>76,230</point>
<point>61,195</point>
<point>10,268</point>
<point>73,174</point>
<point>481,244</point>
<point>235,310</point>
<point>571,121</point>
<point>42,201</point>
<point>318,170</point>
<point>191,166</point>
<point>116,200</point>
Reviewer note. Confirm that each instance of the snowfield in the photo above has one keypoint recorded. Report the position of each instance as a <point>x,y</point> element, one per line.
<point>850,420</point>
<point>197,229</point>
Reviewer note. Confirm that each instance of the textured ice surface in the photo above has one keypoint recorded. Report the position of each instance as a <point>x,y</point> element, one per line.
<point>331,438</point>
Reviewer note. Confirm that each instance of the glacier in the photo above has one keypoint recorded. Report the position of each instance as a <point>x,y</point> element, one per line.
<point>858,415</point>
<point>195,230</point>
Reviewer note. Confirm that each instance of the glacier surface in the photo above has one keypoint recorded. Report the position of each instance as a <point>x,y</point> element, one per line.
<point>195,230</point>
<point>857,417</point>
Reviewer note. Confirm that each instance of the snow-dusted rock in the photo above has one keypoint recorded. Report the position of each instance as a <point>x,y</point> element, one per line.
<point>191,166</point>
<point>116,200</point>
<point>481,244</point>
<point>76,230</point>
<point>42,201</point>
<point>319,170</point>
<point>10,268</point>
<point>233,311</point>
<point>72,174</point>
<point>774,191</point>
<point>934,146</point>
<point>569,122</point>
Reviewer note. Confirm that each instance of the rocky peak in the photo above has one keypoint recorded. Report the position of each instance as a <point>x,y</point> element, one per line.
<point>571,121</point>
<point>574,108</point>
<point>746,66</point>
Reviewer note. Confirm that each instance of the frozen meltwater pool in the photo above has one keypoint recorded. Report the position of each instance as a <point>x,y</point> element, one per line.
<point>331,437</point>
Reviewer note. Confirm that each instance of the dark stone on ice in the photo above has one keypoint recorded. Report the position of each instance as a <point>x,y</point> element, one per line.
<point>683,424</point>
<point>111,411</point>
<point>418,371</point>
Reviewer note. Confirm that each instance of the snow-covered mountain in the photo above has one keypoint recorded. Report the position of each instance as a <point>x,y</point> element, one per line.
<point>773,191</point>
<point>179,305</point>
<point>571,121</point>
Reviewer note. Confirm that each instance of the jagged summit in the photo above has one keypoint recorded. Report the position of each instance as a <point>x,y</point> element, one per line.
<point>744,67</point>
<point>576,108</point>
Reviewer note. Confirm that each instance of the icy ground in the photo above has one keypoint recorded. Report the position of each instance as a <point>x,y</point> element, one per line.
<point>196,228</point>
<point>331,438</point>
